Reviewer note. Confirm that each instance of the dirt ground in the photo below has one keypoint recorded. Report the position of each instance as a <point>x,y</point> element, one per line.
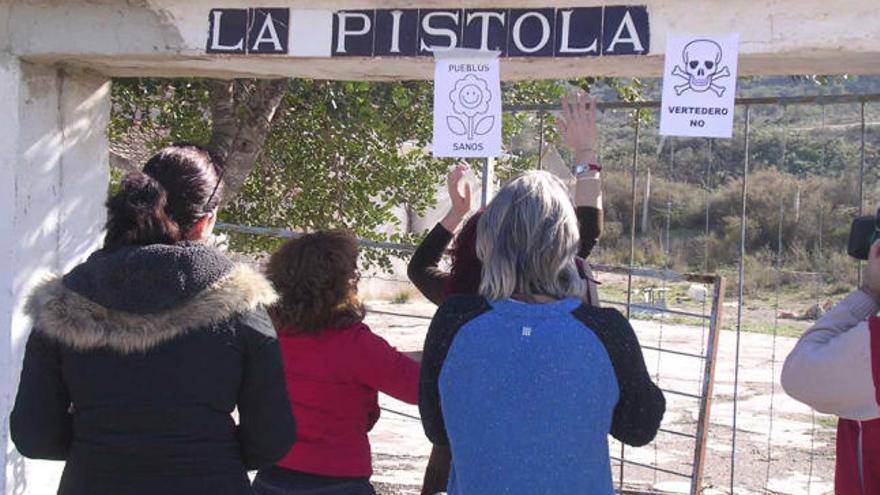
<point>781,446</point>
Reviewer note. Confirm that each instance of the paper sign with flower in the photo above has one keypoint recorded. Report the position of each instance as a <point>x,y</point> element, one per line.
<point>467,104</point>
<point>470,98</point>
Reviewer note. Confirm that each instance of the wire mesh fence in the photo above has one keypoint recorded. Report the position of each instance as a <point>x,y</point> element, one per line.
<point>769,211</point>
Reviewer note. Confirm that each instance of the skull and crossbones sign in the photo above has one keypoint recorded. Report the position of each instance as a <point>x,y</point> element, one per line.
<point>701,68</point>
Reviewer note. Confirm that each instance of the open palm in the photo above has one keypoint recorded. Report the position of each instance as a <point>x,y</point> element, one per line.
<point>578,122</point>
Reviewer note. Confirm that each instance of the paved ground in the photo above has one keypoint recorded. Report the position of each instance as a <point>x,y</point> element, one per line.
<point>799,459</point>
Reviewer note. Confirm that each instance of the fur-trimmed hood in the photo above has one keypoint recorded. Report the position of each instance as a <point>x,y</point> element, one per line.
<point>133,299</point>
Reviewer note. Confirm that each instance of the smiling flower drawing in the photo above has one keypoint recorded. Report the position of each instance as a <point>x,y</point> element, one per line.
<point>470,97</point>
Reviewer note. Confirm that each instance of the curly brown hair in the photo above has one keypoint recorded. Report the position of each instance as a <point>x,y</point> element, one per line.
<point>316,276</point>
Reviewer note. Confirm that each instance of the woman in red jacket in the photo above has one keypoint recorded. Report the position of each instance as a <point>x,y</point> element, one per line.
<point>334,367</point>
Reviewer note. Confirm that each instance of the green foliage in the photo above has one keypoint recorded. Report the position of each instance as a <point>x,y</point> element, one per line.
<point>523,131</point>
<point>342,155</point>
<point>803,188</point>
<point>339,155</point>
<point>352,154</point>
<point>169,111</point>
<point>811,231</point>
<point>115,179</point>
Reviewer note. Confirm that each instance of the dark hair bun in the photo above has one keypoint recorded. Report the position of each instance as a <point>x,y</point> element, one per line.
<point>136,213</point>
<point>140,193</point>
<point>178,186</point>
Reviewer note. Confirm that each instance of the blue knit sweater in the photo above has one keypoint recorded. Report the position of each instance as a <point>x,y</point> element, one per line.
<point>526,395</point>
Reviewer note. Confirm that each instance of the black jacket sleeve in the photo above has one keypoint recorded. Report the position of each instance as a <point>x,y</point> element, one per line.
<point>590,223</point>
<point>266,429</point>
<point>641,404</point>
<point>41,424</point>
<point>422,269</point>
<point>450,317</point>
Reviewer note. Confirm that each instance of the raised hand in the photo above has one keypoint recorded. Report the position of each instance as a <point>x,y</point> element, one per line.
<point>577,125</point>
<point>459,190</point>
<point>459,196</point>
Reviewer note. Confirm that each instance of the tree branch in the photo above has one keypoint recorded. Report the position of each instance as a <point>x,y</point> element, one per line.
<point>242,115</point>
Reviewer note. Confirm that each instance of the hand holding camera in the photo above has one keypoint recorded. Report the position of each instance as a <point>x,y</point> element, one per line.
<point>862,235</point>
<point>864,244</point>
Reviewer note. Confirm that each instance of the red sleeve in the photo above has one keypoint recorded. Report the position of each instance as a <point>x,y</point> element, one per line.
<point>384,368</point>
<point>874,330</point>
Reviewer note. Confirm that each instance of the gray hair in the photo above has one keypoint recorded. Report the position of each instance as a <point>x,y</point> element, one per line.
<point>527,239</point>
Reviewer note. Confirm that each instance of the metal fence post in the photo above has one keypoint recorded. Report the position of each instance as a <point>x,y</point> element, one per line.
<point>632,250</point>
<point>541,140</point>
<point>741,292</point>
<point>632,223</point>
<point>708,385</point>
<point>861,182</point>
<point>487,179</point>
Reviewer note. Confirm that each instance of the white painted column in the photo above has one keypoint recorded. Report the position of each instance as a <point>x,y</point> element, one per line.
<point>10,74</point>
<point>54,173</point>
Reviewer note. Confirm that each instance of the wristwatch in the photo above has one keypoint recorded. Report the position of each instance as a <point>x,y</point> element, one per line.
<point>581,168</point>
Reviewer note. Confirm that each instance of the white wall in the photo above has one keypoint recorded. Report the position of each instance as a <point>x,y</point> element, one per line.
<point>53,173</point>
<point>10,73</point>
<point>168,37</point>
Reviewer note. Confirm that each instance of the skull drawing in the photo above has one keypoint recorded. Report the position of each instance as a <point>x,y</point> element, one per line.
<point>702,67</point>
<point>701,58</point>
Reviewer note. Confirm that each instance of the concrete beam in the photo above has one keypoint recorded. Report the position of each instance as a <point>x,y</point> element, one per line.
<point>168,38</point>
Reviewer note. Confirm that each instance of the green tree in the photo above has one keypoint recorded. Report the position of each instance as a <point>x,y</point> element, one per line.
<point>343,154</point>
<point>337,154</point>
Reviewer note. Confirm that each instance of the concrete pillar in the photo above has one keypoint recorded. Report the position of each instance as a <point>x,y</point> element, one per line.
<point>54,173</point>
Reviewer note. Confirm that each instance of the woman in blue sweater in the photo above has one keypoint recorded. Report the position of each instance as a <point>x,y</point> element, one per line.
<point>532,381</point>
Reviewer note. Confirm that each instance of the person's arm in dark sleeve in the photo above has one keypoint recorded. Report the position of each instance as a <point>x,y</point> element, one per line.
<point>590,223</point>
<point>437,344</point>
<point>641,405</point>
<point>41,424</point>
<point>449,319</point>
<point>422,269</point>
<point>267,429</point>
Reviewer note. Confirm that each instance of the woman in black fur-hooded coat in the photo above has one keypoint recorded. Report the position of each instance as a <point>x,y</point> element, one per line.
<point>139,356</point>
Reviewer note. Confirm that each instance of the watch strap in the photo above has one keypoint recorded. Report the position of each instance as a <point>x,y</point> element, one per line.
<point>581,168</point>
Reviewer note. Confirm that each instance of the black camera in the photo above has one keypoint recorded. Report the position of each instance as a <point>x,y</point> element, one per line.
<point>865,231</point>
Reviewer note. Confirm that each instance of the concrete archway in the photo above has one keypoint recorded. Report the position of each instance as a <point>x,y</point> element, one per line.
<point>57,59</point>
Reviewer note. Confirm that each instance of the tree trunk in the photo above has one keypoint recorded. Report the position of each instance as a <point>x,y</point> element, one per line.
<point>242,113</point>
